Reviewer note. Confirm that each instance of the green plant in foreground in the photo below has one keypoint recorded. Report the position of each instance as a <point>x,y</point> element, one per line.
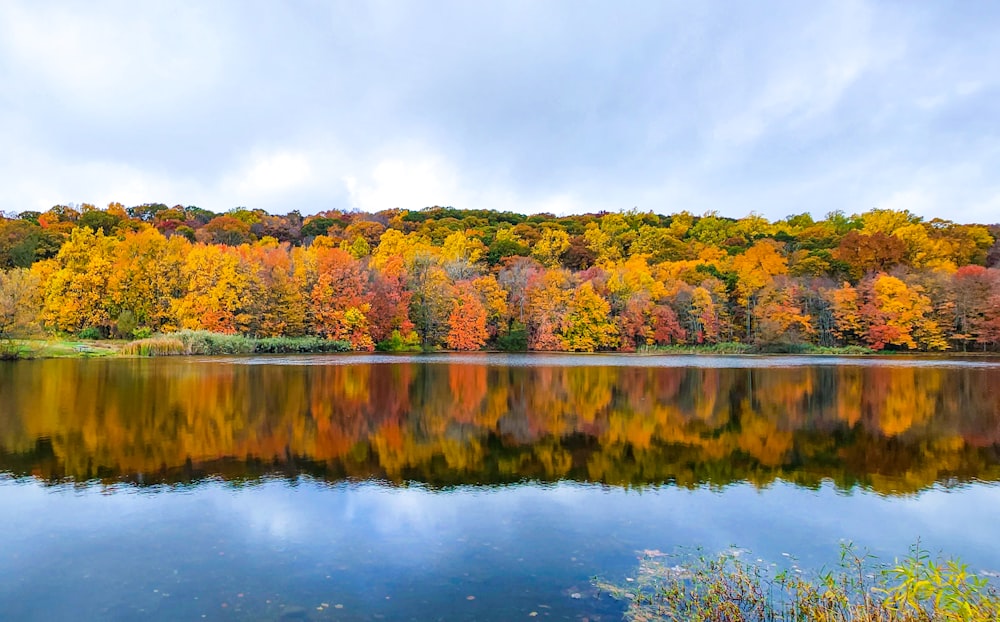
<point>725,588</point>
<point>939,590</point>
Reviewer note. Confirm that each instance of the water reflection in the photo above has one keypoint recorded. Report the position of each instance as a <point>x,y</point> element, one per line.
<point>480,420</point>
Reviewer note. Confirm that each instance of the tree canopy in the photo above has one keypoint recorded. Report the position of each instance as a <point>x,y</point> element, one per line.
<point>471,279</point>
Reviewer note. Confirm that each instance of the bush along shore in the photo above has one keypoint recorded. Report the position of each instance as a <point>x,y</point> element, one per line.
<point>200,342</point>
<point>731,587</point>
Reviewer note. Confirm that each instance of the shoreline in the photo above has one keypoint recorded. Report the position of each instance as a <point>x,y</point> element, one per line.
<point>53,348</point>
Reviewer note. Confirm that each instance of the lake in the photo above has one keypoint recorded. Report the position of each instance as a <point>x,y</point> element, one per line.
<point>469,487</point>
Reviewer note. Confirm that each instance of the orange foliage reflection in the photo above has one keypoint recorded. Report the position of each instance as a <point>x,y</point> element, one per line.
<point>891,428</point>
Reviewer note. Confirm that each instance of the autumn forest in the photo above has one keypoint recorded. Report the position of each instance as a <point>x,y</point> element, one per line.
<point>444,278</point>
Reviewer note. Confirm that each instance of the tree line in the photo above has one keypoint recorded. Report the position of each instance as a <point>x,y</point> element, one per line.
<point>479,279</point>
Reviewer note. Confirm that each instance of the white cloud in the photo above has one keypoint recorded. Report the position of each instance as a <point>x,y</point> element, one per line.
<point>918,201</point>
<point>270,173</point>
<point>951,95</point>
<point>111,59</point>
<point>417,181</point>
<point>37,182</point>
<point>410,183</point>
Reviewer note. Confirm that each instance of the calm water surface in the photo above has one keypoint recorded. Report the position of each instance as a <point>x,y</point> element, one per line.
<point>468,487</point>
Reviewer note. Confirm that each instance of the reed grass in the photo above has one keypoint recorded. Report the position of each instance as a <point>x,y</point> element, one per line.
<point>154,346</point>
<point>725,588</point>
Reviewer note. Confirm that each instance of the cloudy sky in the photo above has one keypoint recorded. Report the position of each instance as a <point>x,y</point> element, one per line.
<point>562,106</point>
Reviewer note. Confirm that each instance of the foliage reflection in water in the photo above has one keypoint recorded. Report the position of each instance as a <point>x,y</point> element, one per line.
<point>889,428</point>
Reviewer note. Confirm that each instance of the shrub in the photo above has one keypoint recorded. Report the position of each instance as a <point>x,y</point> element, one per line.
<point>292,345</point>
<point>143,332</point>
<point>90,332</point>
<point>126,324</point>
<point>785,347</point>
<point>204,342</point>
<point>398,343</point>
<point>726,347</point>
<point>516,339</point>
<point>207,343</point>
<point>10,350</point>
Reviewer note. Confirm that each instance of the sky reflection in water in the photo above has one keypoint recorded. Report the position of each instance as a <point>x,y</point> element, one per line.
<point>176,552</point>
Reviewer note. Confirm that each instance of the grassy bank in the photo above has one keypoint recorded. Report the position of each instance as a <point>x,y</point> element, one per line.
<point>726,588</point>
<point>54,348</point>
<point>186,342</point>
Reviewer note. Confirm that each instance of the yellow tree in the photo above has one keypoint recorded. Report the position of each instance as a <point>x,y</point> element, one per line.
<point>895,314</point>
<point>460,254</point>
<point>680,224</point>
<point>546,302</point>
<point>219,292</point>
<point>494,299</point>
<point>779,316</point>
<point>610,238</point>
<point>964,244</point>
<point>588,324</point>
<point>703,317</point>
<point>886,221</point>
<point>846,308</point>
<point>146,278</point>
<point>755,269</point>
<point>550,246</point>
<point>353,327</point>
<point>660,245</point>
<point>627,278</point>
<point>712,230</point>
<point>281,305</point>
<point>753,227</point>
<point>394,243</point>
<point>76,282</point>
